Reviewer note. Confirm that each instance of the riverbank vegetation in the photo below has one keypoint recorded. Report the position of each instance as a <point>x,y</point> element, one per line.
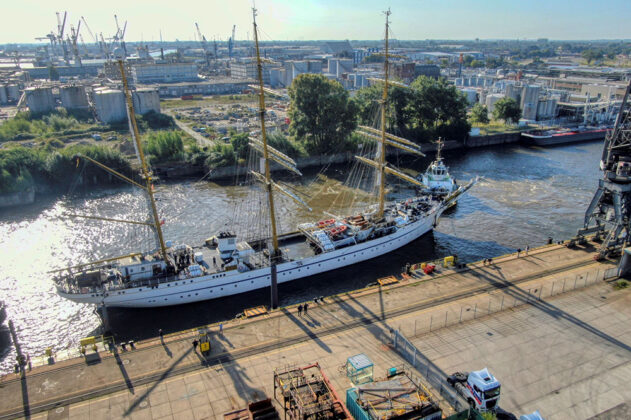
<point>49,169</point>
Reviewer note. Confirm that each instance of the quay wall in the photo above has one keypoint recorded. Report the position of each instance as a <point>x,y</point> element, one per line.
<point>19,198</point>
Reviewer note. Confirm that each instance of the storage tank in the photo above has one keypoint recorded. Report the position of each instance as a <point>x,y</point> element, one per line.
<point>3,95</point>
<point>13,92</point>
<point>39,99</point>
<point>470,94</point>
<point>492,99</point>
<point>73,97</point>
<point>110,106</point>
<point>146,100</point>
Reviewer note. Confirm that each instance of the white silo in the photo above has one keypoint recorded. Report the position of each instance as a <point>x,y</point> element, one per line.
<point>146,100</point>
<point>73,97</point>
<point>3,95</point>
<point>40,99</point>
<point>110,106</point>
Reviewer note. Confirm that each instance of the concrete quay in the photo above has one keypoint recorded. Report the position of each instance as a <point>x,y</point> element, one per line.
<point>171,380</point>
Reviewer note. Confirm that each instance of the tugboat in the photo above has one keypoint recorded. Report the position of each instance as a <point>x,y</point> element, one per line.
<point>438,183</point>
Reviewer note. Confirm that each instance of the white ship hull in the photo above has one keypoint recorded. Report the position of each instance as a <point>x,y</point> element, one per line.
<point>229,283</point>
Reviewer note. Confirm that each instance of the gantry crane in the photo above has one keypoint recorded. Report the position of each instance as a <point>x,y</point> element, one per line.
<point>609,213</point>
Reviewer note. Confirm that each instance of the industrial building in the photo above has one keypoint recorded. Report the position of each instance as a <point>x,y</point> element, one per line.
<point>164,73</point>
<point>429,70</point>
<point>222,86</point>
<point>339,66</point>
<point>295,68</point>
<point>247,69</point>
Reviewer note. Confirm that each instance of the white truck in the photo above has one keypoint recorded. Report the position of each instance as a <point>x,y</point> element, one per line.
<point>479,388</point>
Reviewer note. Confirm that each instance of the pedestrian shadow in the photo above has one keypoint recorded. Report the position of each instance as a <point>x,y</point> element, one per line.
<point>312,322</point>
<point>306,330</point>
<point>166,348</point>
<point>119,362</point>
<point>223,337</point>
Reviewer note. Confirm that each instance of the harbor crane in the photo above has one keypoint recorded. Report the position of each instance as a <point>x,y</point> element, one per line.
<point>74,34</point>
<point>120,35</point>
<point>61,26</point>
<point>94,36</point>
<point>609,213</point>
<point>202,41</point>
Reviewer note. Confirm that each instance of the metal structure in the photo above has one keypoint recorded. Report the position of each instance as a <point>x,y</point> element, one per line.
<point>399,396</point>
<point>305,393</point>
<point>609,213</point>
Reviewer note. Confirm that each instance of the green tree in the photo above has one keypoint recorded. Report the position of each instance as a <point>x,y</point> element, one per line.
<point>592,54</point>
<point>240,145</point>
<point>507,109</point>
<point>321,113</point>
<point>479,114</point>
<point>398,114</point>
<point>438,110</point>
<point>428,109</point>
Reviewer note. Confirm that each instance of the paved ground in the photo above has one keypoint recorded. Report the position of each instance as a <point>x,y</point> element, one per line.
<point>569,357</point>
<point>160,381</point>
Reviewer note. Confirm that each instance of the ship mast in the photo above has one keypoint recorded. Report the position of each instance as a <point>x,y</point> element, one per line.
<point>268,179</point>
<point>381,150</point>
<point>145,169</point>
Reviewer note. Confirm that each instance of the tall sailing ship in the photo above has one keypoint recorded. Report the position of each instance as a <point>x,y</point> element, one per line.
<point>179,274</point>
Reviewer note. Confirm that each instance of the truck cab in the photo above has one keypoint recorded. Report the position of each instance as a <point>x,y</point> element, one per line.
<point>479,388</point>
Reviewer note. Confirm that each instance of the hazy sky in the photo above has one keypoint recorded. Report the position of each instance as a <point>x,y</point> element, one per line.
<point>23,20</point>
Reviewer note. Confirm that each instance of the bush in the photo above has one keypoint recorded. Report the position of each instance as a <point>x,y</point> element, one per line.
<point>154,121</point>
<point>164,146</point>
<point>24,125</point>
<point>621,284</point>
<point>282,143</point>
<point>22,168</point>
<point>221,155</point>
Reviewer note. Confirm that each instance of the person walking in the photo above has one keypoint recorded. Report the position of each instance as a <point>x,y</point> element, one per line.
<point>527,249</point>
<point>195,344</point>
<point>518,252</point>
<point>221,329</point>
<point>306,307</point>
<point>299,310</point>
<point>161,334</point>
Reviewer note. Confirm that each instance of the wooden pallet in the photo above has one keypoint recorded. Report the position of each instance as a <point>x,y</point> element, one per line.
<point>257,311</point>
<point>385,281</point>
